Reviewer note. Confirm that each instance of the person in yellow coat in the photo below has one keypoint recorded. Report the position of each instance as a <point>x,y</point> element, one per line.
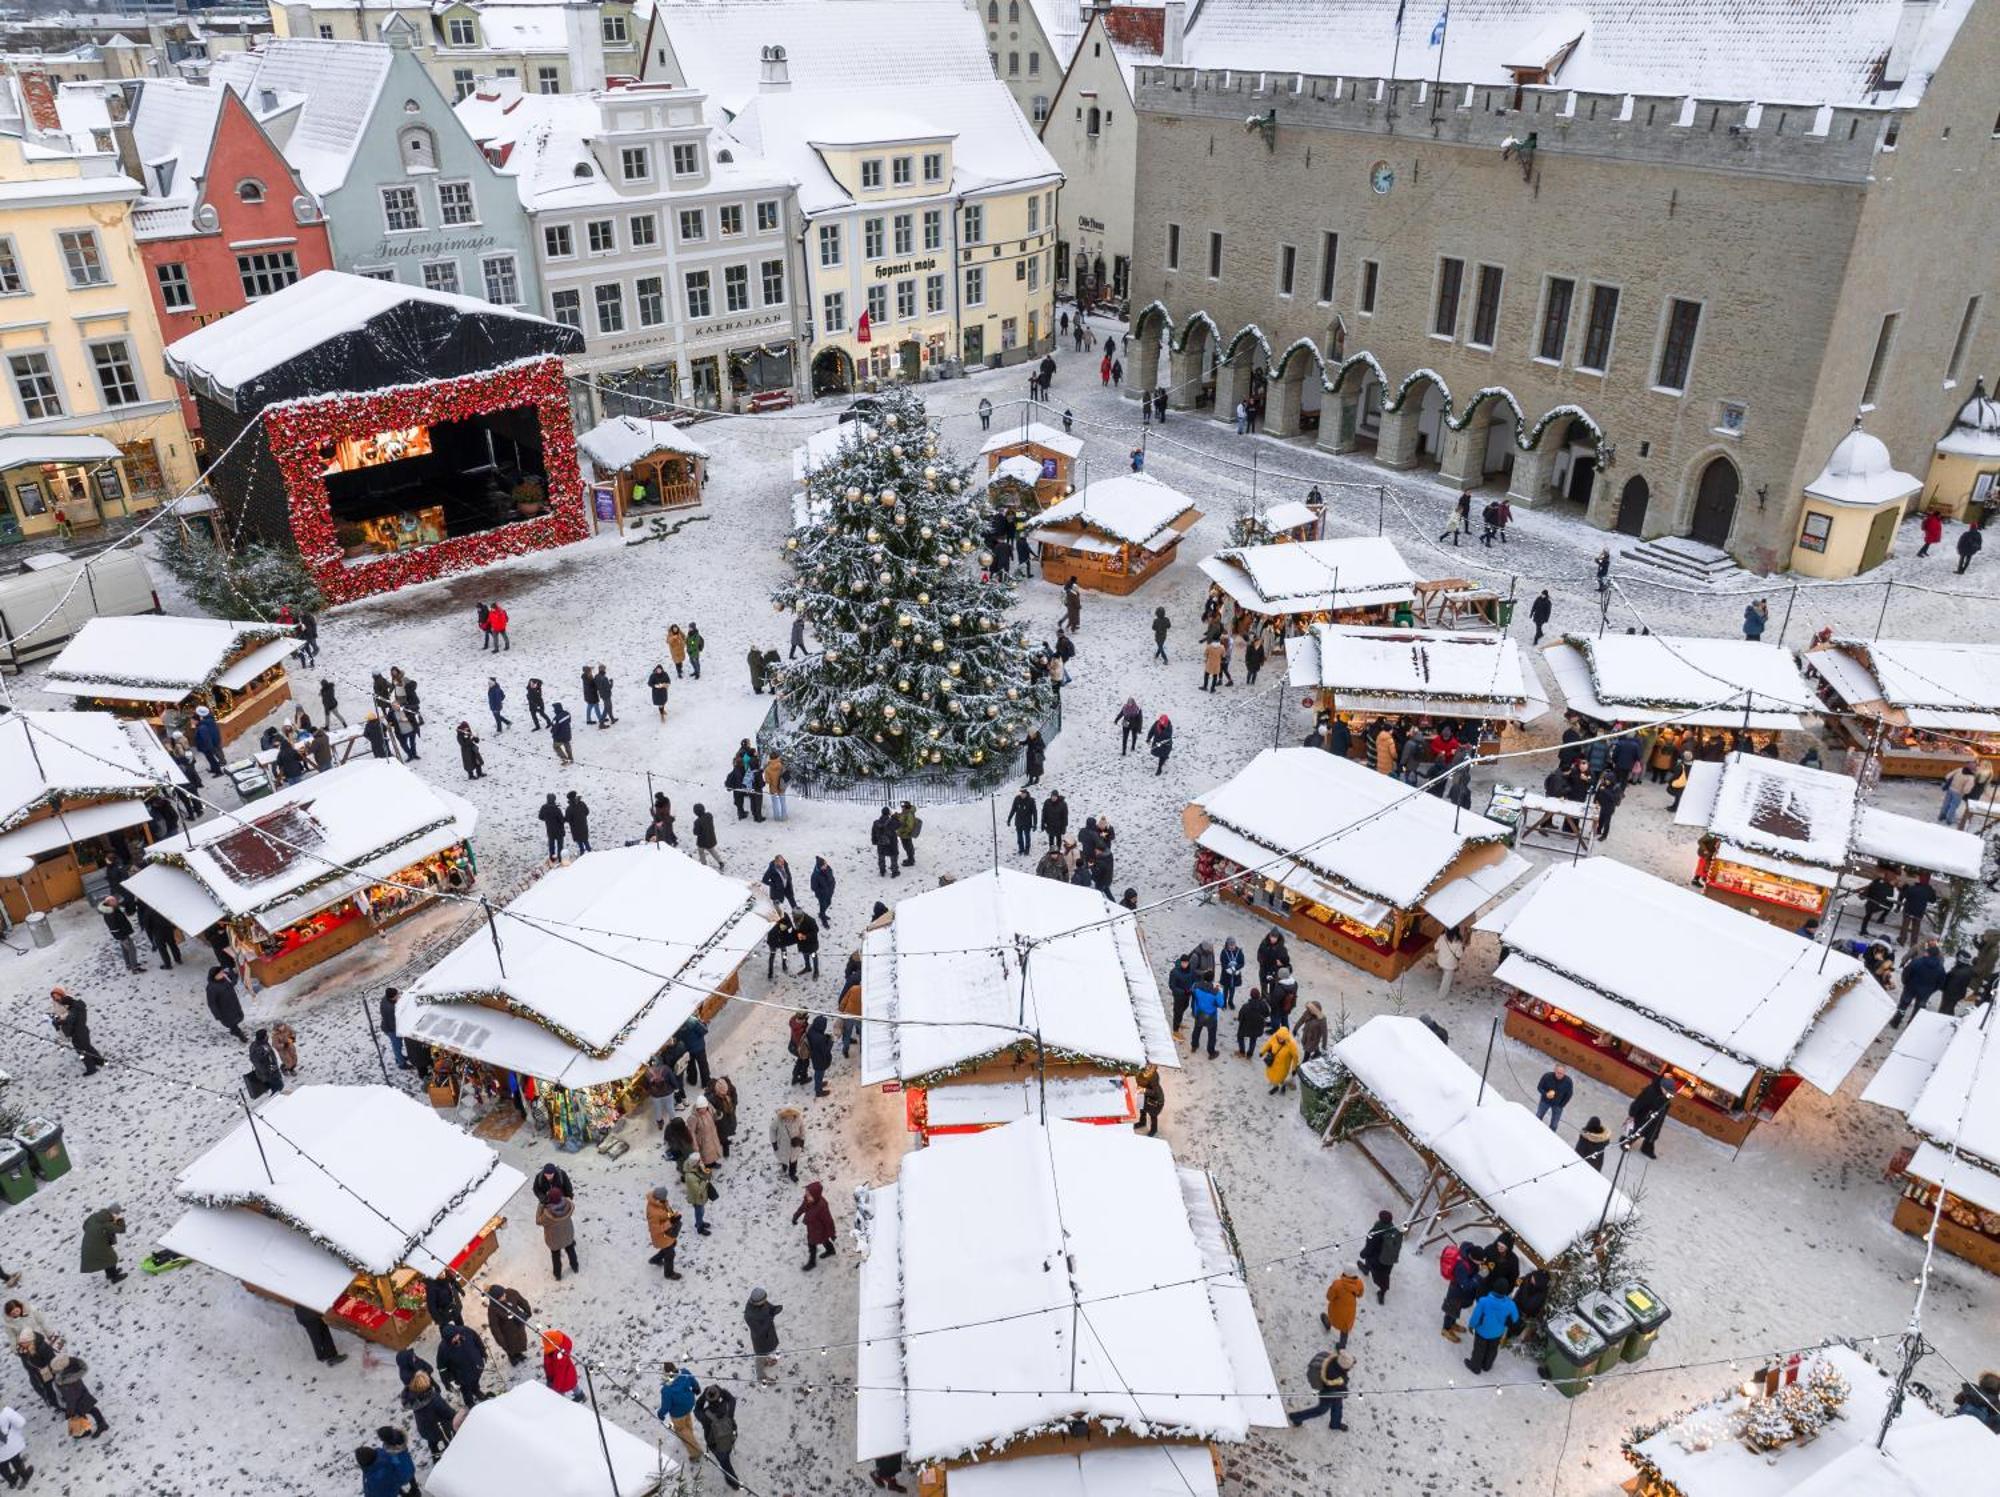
<point>1342,1296</point>
<point>1281,1056</point>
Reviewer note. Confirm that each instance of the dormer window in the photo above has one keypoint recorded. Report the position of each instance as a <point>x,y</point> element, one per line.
<point>616,33</point>
<point>250,190</point>
<point>461,31</point>
<point>419,149</point>
<point>871,175</point>
<point>635,163</point>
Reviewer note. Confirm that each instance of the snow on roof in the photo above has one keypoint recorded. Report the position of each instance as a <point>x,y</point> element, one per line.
<point>1290,514</point>
<point>1929,1459</point>
<point>1815,52</point>
<point>372,1175</point>
<point>155,657</point>
<point>339,82</point>
<point>48,758</point>
<point>173,122</point>
<point>1128,1471</point>
<point>1948,1069</point>
<point>1438,671</point>
<point>1913,842</point>
<point>278,328</point>
<point>1975,430</point>
<point>268,859</point>
<point>600,961</point>
<point>1742,987</point>
<point>1036,434</point>
<point>1091,995</point>
<point>1019,468</point>
<point>1533,1182</point>
<point>523,28</point>
<point>1302,576</point>
<point>532,1439</point>
<point>1939,676</point>
<point>1134,508</point>
<point>1062,23</point>
<point>1654,677</point>
<point>1860,473</point>
<point>823,447</point>
<point>626,439</point>
<point>1348,825</point>
<point>1040,1218</point>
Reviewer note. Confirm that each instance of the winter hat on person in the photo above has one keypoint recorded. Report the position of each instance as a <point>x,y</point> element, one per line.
<point>364,1456</point>
<point>758,1296</point>
<point>201,712</point>
<point>661,1194</point>
<point>701,1101</point>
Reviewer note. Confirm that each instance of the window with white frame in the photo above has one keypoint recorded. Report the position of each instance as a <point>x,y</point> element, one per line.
<point>400,211</point>
<point>774,282</point>
<point>687,159</point>
<point>376,272</point>
<point>635,163</point>
<point>906,300</point>
<point>455,205</point>
<point>933,294</point>
<point>83,260</point>
<point>615,31</point>
<point>649,293</point>
<point>548,80</point>
<point>871,239</point>
<point>325,32</point>
<point>975,287</point>
<point>35,385</point>
<point>441,275</point>
<point>643,230</point>
<point>176,294</point>
<point>834,312</point>
<point>899,171</point>
<point>700,301</point>
<point>693,226</point>
<point>1034,272</point>
<point>610,299</point>
<point>736,288</point>
<point>461,31</point>
<point>871,174</point>
<point>934,166</point>
<point>878,304</point>
<point>503,280</point>
<point>975,224</point>
<point>829,244</point>
<point>558,243</point>
<point>117,380</point>
<point>933,228</point>
<point>1039,114</point>
<point>249,190</point>
<point>566,307</point>
<point>600,235</point>
<point>464,83</point>
<point>267,271</point>
<point>906,234</point>
<point>767,217</point>
<point>729,220</point>
<point>1010,333</point>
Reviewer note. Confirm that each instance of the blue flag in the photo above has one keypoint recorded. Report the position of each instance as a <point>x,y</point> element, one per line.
<point>1437,31</point>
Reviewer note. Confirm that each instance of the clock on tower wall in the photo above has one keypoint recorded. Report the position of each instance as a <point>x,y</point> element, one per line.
<point>1381,176</point>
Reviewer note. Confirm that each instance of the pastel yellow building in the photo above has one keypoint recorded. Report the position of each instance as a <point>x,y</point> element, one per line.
<point>1963,482</point>
<point>92,429</point>
<point>1852,509</point>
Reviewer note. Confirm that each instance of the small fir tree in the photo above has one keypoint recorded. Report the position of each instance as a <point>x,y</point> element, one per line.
<point>920,669</point>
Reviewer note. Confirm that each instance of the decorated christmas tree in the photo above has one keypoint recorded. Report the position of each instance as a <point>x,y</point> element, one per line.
<point>920,669</point>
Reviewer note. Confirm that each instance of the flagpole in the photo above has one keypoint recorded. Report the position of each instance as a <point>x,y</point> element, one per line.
<point>1395,55</point>
<point>1444,35</point>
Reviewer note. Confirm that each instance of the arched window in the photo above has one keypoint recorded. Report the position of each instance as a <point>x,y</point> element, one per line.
<point>1091,122</point>
<point>250,190</point>
<point>419,148</point>
<point>1013,12</point>
<point>992,12</point>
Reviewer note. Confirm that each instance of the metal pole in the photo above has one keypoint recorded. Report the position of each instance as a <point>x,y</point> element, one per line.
<point>1381,505</point>
<point>255,1136</point>
<point>1790,598</point>
<point>1887,588</point>
<point>993,808</point>
<point>1491,1035</point>
<point>493,930</point>
<point>610,1470</point>
<point>375,1039</point>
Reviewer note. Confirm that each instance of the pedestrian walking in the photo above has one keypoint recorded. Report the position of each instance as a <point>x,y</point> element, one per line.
<point>695,645</point>
<point>122,931</point>
<point>223,1002</point>
<point>1933,529</point>
<point>1755,616</point>
<point>1021,815</point>
<point>559,1365</point>
<point>1970,540</point>
<point>1034,756</point>
<point>1603,569</point>
<point>266,1077</point>
<point>538,717</point>
<point>329,703</point>
<point>461,1361</point>
<point>496,702</point>
<point>1160,742</point>
<point>704,837</point>
<point>208,735</point>
<point>1281,1056</point>
<point>1326,1375</point>
<point>69,1015</point>
<point>554,825</point>
<point>74,1398</point>
<point>1152,1102</point>
<point>909,826</point>
<point>716,1409</point>
<point>556,1216</point>
<point>1130,722</point>
<point>788,1139</point>
<point>99,1250</point>
<point>678,1394</point>
<point>663,1228</point>
<point>677,648</point>
<point>1055,818</point>
<point>1648,1115</point>
<point>507,1316</point>
<point>14,1448</point>
<point>468,752</point>
<point>699,1185</point>
<point>576,816</point>
<point>160,935</point>
<point>817,1218</point>
<point>1343,1300</point>
<point>1461,518</point>
<point>819,1049</point>
<point>658,682</point>
<point>1379,1252</point>
<point>560,727</point>
<point>985,414</point>
<point>602,681</point>
<point>1161,624</point>
<point>1552,1094</point>
<point>1450,949</point>
<point>1539,612</point>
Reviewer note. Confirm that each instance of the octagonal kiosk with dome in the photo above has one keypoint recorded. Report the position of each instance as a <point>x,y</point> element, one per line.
<point>1852,509</point>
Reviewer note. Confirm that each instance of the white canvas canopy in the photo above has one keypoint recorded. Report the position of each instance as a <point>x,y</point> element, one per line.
<point>1431,671</point>
<point>1035,433</point>
<point>1944,1076</point>
<point>624,440</point>
<point>162,657</point>
<point>1128,1471</point>
<point>1314,576</point>
<point>102,765</point>
<point>1652,678</point>
<point>1937,685</point>
<point>532,1439</point>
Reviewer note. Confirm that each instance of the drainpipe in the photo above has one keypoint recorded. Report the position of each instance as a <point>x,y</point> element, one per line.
<point>958,281</point>
<point>802,383</point>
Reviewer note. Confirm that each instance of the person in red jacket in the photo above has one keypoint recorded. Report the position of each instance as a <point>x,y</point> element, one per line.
<point>818,1217</point>
<point>496,625</point>
<point>1933,531</point>
<point>558,1366</point>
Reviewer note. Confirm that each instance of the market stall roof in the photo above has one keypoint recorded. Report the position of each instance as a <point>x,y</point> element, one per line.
<point>951,958</point>
<point>599,962</point>
<point>1361,840</point>
<point>1019,469</point>
<point>1800,821</point>
<point>1094,1255</point>
<point>49,759</point>
<point>1527,1177</point>
<point>1715,991</point>
<point>624,440</point>
<point>1944,1076</point>
<point>159,657</point>
<point>1314,576</point>
<point>305,847</point>
<point>1949,686</point>
<point>1930,1459</point>
<point>1035,432</point>
<point>1288,514</point>
<point>1651,678</point>
<point>1127,1471</point>
<point>1861,475</point>
<point>17,449</point>
<point>1434,671</point>
<point>363,1175</point>
<point>532,1439</point>
<point>1132,509</point>
<point>822,447</point>
<point>1974,431</point>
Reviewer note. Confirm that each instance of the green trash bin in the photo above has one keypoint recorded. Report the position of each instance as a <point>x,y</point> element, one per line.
<point>17,1178</point>
<point>43,1139</point>
<point>1319,1091</point>
<point>1503,612</point>
<point>1572,1351</point>
<point>1611,1320</point>
<point>1649,1312</point>
<point>1404,617</point>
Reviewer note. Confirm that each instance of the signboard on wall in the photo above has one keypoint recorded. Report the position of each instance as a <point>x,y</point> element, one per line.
<point>604,502</point>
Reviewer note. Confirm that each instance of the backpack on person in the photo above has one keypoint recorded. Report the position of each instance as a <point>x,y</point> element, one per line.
<point>1316,1371</point>
<point>1391,1249</point>
<point>1448,1261</point>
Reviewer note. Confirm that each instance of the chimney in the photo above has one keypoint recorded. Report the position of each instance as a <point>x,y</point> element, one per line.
<point>1909,28</point>
<point>1176,30</point>
<point>267,101</point>
<point>584,32</point>
<point>38,100</point>
<point>774,73</point>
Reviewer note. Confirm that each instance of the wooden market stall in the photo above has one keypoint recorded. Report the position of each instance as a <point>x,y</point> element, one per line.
<point>1042,1218</point>
<point>1721,692</point>
<point>532,1439</point>
<point>1963,480</point>
<point>1488,1163</point>
<point>73,791</point>
<point>316,868</point>
<point>267,1206</point>
<point>1944,1076</point>
<point>1347,858</point>
<point>1938,702</point>
<point>591,970</point>
<point>1287,520</point>
<point>949,1000</point>
<point>1777,838</point>
<point>644,465</point>
<point>1055,451</point>
<point>1627,977</point>
<point>1113,535</point>
<point>1361,580</point>
<point>1359,673</point>
<point>144,666</point>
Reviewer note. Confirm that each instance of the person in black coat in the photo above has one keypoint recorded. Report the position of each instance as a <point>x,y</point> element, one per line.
<point>71,1018</point>
<point>266,1074</point>
<point>659,682</point>
<point>1531,1298</point>
<point>561,729</point>
<point>445,1303</point>
<point>161,934</point>
<point>1021,816</point>
<point>704,837</point>
<point>387,1017</point>
<point>223,1002</point>
<point>551,1177</point>
<point>291,767</point>
<point>888,851</point>
<point>320,1334</point>
<point>553,822</point>
<point>778,883</point>
<point>462,1360</point>
<point>1539,611</point>
<point>1055,818</point>
<point>1036,755</point>
<point>433,1415</point>
<point>821,884</point>
<point>468,752</point>
<point>1272,953</point>
<point>1648,1114</point>
<point>1251,1019</point>
<point>538,716</point>
<point>1592,1141</point>
<point>576,816</point>
<point>377,736</point>
<point>819,1048</point>
<point>1610,791</point>
<point>1552,1094</point>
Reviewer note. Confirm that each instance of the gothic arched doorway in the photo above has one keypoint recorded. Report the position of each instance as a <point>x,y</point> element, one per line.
<point>832,372</point>
<point>1632,506</point>
<point>1715,503</point>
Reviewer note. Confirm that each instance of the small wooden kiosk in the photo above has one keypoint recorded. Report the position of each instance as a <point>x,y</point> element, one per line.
<point>1044,1218</point>
<point>1368,871</point>
<point>1944,1076</point>
<point>267,1206</point>
<point>277,874</point>
<point>1626,977</point>
<point>596,964</point>
<point>1777,837</point>
<point>1357,674</point>
<point>1938,701</point>
<point>1287,520</point>
<point>1054,450</point>
<point>142,665</point>
<point>1295,584</point>
<point>73,790</point>
<point>1963,481</point>
<point>1721,691</point>
<point>1114,534</point>
<point>948,1025</point>
<point>1850,512</point>
<point>643,465</point>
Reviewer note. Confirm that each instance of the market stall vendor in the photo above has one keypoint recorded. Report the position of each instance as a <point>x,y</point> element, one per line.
<point>1358,673</point>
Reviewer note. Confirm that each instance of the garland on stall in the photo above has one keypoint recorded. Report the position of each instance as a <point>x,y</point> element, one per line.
<point>179,859</point>
<point>1023,1052</point>
<point>1327,876</point>
<point>1583,643</point>
<point>55,800</point>
<point>299,431</point>
<point>255,634</point>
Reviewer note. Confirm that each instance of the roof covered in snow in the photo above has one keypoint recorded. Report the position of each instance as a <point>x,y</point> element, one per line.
<point>339,83</point>
<point>1975,430</point>
<point>52,758</point>
<point>173,126</point>
<point>1314,576</point>
<point>1436,671</point>
<point>1115,1471</point>
<point>624,440</point>
<point>1934,684</point>
<point>160,657</point>
<point>1944,1075</point>
<point>1134,509</point>
<point>1033,434</point>
<point>1657,677</point>
<point>532,1439</point>
<point>1861,474</point>
<point>948,965</point>
<point>1532,1181</point>
<point>1099,1263</point>
<point>599,962</point>
<point>1716,992</point>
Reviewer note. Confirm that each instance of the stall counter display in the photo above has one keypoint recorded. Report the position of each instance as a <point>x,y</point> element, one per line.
<point>1387,951</point>
<point>390,1311</point>
<point>284,954</point>
<point>1773,896</point>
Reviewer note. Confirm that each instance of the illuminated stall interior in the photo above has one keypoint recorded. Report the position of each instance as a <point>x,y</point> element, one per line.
<point>1363,580</point>
<point>1056,454</point>
<point>1944,1076</point>
<point>140,665</point>
<point>1724,693</point>
<point>645,464</point>
<point>1359,674</point>
<point>1937,702</point>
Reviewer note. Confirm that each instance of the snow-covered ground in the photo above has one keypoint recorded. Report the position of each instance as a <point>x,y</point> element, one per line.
<point>212,1391</point>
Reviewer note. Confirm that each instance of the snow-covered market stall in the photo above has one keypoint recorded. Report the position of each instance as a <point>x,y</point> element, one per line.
<point>578,982</point>
<point>641,465</point>
<point>155,666</point>
<point>73,792</point>
<point>1100,1264</point>
<point>1488,1162</point>
<point>1777,838</point>
<point>1351,860</point>
<point>532,1439</point>
<point>1937,703</point>
<point>1808,1425</point>
<point>1627,977</point>
<point>342,1200</point>
<point>1359,580</point>
<point>1944,1076</point>
<point>1054,452</point>
<point>1116,533</point>
<point>1721,693</point>
<point>448,444</point>
<point>317,867</point>
<point>1358,674</point>
<point>1001,994</point>
<point>1287,520</point>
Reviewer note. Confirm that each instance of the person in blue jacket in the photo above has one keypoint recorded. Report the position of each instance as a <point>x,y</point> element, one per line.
<point>1207,1004</point>
<point>1492,1318</point>
<point>208,738</point>
<point>387,1468</point>
<point>678,1391</point>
